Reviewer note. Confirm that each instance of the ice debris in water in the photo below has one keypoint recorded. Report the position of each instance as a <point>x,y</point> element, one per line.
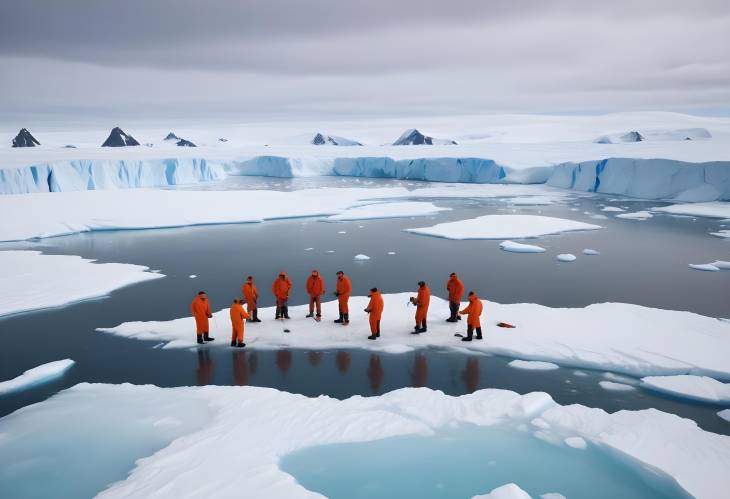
<point>361,257</point>
<point>566,257</point>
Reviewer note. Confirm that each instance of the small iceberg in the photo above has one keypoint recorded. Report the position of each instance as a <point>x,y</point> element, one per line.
<point>612,386</point>
<point>589,251</point>
<point>566,257</point>
<point>361,257</point>
<point>32,377</point>
<point>514,247</point>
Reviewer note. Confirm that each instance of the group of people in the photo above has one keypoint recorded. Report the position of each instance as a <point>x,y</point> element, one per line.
<point>282,285</point>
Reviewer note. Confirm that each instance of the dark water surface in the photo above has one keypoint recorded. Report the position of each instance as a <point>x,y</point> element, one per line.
<point>642,262</point>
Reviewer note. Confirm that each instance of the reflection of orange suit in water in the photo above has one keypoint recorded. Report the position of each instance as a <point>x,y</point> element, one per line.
<point>314,358</point>
<point>240,368</point>
<point>470,375</point>
<point>284,360</point>
<point>420,370</point>
<point>204,373</point>
<point>375,373</point>
<point>343,360</point>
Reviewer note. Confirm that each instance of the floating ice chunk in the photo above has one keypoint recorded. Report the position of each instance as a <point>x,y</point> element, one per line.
<point>533,365</point>
<point>721,264</point>
<point>552,495</point>
<point>708,267</point>
<point>508,491</point>
<point>618,378</point>
<point>580,373</point>
<point>36,376</point>
<point>724,414</point>
<point>615,387</point>
<point>391,252</point>
<point>701,388</point>
<point>589,251</point>
<point>514,247</point>
<point>503,227</point>
<point>714,209</point>
<point>388,210</point>
<point>566,257</point>
<point>612,208</point>
<point>361,257</point>
<point>192,276</point>
<point>308,249</point>
<point>721,233</point>
<point>330,251</point>
<point>637,215</point>
<point>576,442</point>
<point>31,280</point>
<point>342,232</point>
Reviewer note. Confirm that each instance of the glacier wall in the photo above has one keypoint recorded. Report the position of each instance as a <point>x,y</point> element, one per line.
<point>80,175</point>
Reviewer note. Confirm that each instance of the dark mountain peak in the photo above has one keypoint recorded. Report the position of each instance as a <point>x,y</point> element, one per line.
<point>319,140</point>
<point>413,137</point>
<point>185,143</point>
<point>117,138</point>
<point>633,136</point>
<point>172,136</point>
<point>25,139</point>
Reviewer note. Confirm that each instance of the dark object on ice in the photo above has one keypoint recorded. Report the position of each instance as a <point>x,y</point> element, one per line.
<point>69,146</point>
<point>206,337</point>
<point>413,137</point>
<point>185,143</point>
<point>25,139</point>
<point>200,339</point>
<point>222,140</point>
<point>321,139</point>
<point>506,324</point>
<point>687,138</point>
<point>318,140</point>
<point>172,136</point>
<point>633,136</point>
<point>117,138</point>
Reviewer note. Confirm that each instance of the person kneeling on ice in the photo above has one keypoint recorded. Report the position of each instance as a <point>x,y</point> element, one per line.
<point>238,314</point>
<point>421,302</point>
<point>456,290</point>
<point>280,288</point>
<point>200,308</point>
<point>344,288</point>
<point>375,309</point>
<point>315,290</point>
<point>474,310</point>
<point>251,295</point>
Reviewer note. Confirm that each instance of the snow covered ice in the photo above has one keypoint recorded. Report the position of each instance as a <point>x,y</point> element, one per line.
<point>533,365</point>
<point>388,210</point>
<point>35,376</point>
<point>566,257</point>
<point>701,388</point>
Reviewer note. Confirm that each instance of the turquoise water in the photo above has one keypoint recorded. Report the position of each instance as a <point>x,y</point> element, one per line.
<point>468,461</point>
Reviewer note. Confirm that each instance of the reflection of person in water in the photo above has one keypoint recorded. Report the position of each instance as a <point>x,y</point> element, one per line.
<point>204,373</point>
<point>240,368</point>
<point>420,371</point>
<point>284,360</point>
<point>314,358</point>
<point>253,361</point>
<point>343,360</point>
<point>375,373</point>
<point>470,375</point>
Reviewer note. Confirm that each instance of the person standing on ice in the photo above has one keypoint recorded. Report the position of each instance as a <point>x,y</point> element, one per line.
<point>238,315</point>
<point>456,290</point>
<point>280,288</point>
<point>474,311</point>
<point>315,290</point>
<point>251,295</point>
<point>421,302</point>
<point>375,309</point>
<point>200,308</point>
<point>344,288</point>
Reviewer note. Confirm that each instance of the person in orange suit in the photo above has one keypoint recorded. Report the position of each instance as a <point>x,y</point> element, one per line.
<point>238,315</point>
<point>251,295</point>
<point>200,308</point>
<point>474,311</point>
<point>344,288</point>
<point>281,288</point>
<point>375,309</point>
<point>421,302</point>
<point>315,290</point>
<point>456,290</point>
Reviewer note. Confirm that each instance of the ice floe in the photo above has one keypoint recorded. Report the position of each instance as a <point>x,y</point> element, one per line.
<point>724,414</point>
<point>591,252</point>
<point>721,233</point>
<point>503,227</point>
<point>566,257</point>
<point>388,210</point>
<point>216,422</point>
<point>361,257</point>
<point>617,337</point>
<point>707,267</point>
<point>507,491</point>
<point>701,388</point>
<point>612,386</point>
<point>612,208</point>
<point>33,281</point>
<point>36,376</point>
<point>514,247</point>
<point>637,215</point>
<point>714,209</point>
<point>533,365</point>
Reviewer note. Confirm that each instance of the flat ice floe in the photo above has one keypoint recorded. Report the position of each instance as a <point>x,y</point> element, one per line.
<point>617,337</point>
<point>712,267</point>
<point>507,491</point>
<point>36,376</point>
<point>612,208</point>
<point>637,215</point>
<point>591,252</point>
<point>533,365</point>
<point>514,247</point>
<point>721,233</point>
<point>33,281</point>
<point>715,209</point>
<point>693,387</point>
<point>566,257</point>
<point>60,213</point>
<point>388,210</point>
<point>278,423</point>
<point>724,414</point>
<point>503,227</point>
<point>613,386</point>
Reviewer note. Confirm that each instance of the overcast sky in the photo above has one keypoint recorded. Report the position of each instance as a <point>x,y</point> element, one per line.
<point>152,59</point>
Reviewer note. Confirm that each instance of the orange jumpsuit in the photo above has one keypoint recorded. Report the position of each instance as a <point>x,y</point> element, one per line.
<point>422,301</point>
<point>474,309</point>
<point>315,290</point>
<point>376,312</point>
<point>456,290</point>
<point>200,308</point>
<point>251,294</point>
<point>344,288</point>
<point>238,314</point>
<point>280,288</point>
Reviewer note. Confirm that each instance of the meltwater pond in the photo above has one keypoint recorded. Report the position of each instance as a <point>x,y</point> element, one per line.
<point>468,461</point>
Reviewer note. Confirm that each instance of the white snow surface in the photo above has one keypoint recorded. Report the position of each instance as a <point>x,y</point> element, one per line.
<point>36,376</point>
<point>701,388</point>
<point>618,337</point>
<point>277,423</point>
<point>514,247</point>
<point>533,365</point>
<point>54,214</point>
<point>507,491</point>
<point>33,281</point>
<point>503,227</point>
<point>388,210</point>
<point>715,209</point>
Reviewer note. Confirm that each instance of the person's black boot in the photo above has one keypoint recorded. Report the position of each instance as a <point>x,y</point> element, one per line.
<point>339,321</point>
<point>278,312</point>
<point>233,343</point>
<point>424,328</point>
<point>451,319</point>
<point>346,319</point>
<point>416,330</point>
<point>467,338</point>
<point>256,315</point>
<point>200,339</point>
<point>479,333</point>
<point>372,337</point>
<point>241,344</point>
<point>206,337</point>
<point>285,312</point>
<point>309,315</point>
